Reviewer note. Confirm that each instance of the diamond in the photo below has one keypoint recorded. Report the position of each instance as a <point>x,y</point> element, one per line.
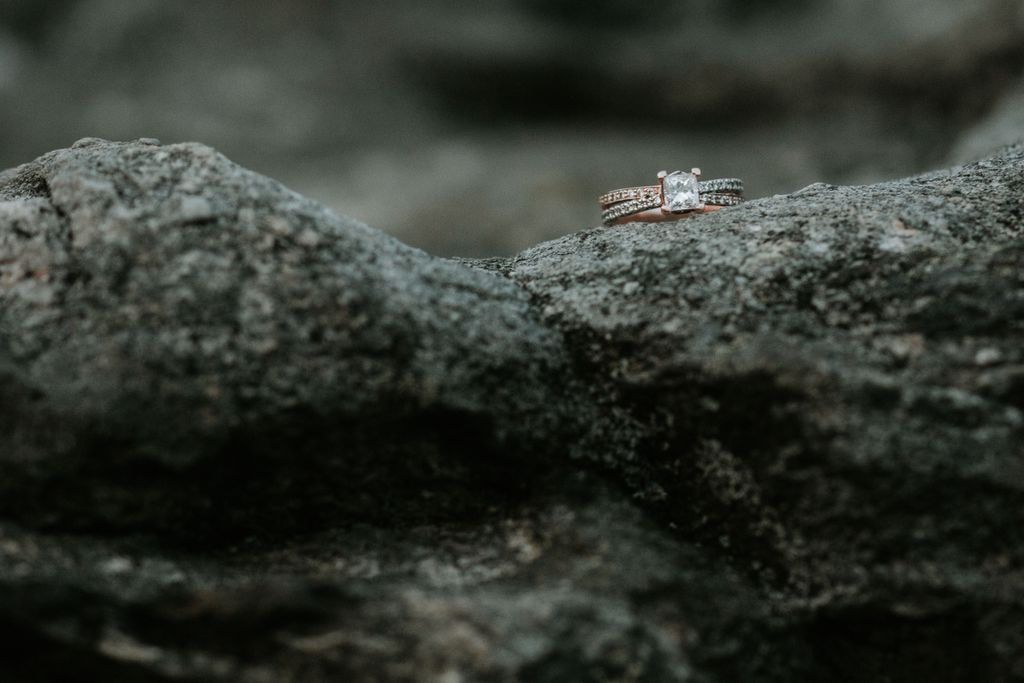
<point>680,192</point>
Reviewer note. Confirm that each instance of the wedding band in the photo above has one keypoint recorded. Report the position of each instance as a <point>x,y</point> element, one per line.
<point>677,194</point>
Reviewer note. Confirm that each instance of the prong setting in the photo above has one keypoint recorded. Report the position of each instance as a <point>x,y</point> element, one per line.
<point>680,192</point>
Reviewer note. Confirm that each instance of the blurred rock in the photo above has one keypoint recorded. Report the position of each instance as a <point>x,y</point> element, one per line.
<point>587,592</point>
<point>1003,126</point>
<point>560,100</point>
<point>772,443</point>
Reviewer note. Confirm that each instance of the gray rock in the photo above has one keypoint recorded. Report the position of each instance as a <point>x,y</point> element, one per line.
<point>542,594</point>
<point>778,442</point>
<point>163,308</point>
<point>806,370</point>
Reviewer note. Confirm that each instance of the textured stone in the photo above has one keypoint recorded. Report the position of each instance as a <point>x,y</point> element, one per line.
<point>782,441</point>
<point>164,310</point>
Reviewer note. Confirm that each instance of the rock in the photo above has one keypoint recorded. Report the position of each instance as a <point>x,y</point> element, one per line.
<point>165,310</point>
<point>805,373</point>
<point>778,442</point>
<point>537,595</point>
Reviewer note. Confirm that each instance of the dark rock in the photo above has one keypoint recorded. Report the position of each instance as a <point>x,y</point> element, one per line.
<point>814,375</point>
<point>780,442</point>
<point>184,323</point>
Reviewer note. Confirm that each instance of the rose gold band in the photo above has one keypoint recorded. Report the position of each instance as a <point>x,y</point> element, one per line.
<point>629,194</point>
<point>656,215</point>
<point>731,186</point>
<point>624,212</point>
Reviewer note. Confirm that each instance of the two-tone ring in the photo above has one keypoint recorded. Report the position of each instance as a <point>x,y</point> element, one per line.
<point>676,195</point>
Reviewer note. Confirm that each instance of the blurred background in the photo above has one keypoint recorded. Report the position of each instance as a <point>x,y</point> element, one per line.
<point>479,128</point>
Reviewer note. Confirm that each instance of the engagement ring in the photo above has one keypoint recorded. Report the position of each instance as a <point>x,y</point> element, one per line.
<point>677,194</point>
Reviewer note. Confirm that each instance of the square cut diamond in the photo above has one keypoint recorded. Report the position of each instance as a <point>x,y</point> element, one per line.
<point>680,192</point>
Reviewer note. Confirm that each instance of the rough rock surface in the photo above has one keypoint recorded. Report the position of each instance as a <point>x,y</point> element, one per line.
<point>245,439</point>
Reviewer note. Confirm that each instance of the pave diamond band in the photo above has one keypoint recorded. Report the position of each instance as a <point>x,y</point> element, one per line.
<point>617,211</point>
<point>677,194</point>
<point>723,185</point>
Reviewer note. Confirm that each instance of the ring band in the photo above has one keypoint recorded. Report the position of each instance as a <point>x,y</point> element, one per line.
<point>723,185</point>
<point>676,195</point>
<point>712,202</point>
